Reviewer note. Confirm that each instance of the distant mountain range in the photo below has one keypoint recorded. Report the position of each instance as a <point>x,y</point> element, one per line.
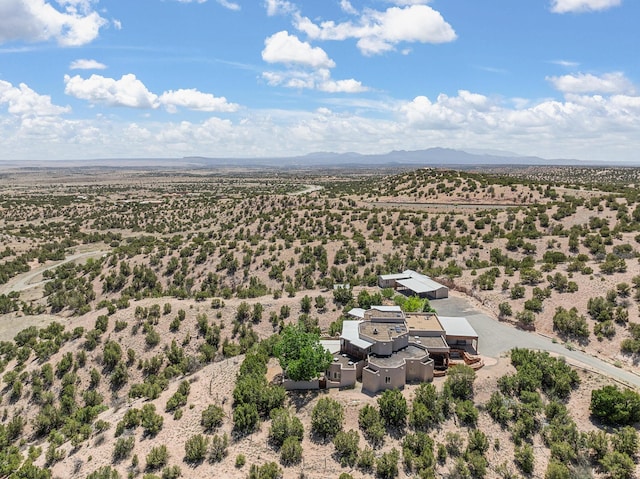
<point>435,157</point>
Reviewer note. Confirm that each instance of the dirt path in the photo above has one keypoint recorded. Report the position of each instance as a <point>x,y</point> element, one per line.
<point>307,189</point>
<point>33,278</point>
<point>11,324</point>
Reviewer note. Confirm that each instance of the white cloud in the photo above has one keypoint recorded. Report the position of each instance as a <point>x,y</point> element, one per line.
<point>590,127</point>
<point>566,6</point>
<point>288,49</point>
<point>608,83</point>
<point>342,86</point>
<point>229,5</point>
<point>84,64</point>
<point>566,63</point>
<point>279,7</point>
<point>313,80</point>
<point>195,100</point>
<point>24,102</point>
<point>130,92</point>
<point>77,23</point>
<point>127,91</point>
<point>346,7</point>
<point>378,31</point>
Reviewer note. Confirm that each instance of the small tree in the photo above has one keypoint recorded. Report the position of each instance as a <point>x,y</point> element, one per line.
<point>393,408</point>
<point>346,444</point>
<point>327,417</point>
<point>459,381</point>
<point>195,448</point>
<point>300,353</point>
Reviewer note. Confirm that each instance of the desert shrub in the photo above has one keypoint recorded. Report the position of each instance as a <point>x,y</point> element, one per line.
<point>105,472</point>
<point>291,451</point>
<point>615,406</point>
<point>327,417</point>
<point>372,425</point>
<point>171,472</point>
<point>218,450</point>
<point>417,451</point>
<point>346,444</point>
<point>387,464</point>
<point>467,413</point>
<point>195,448</point>
<point>459,382</point>
<point>269,470</point>
<point>618,465</point>
<point>393,408</point>
<point>157,458</point>
<point>283,425</point>
<point>212,417</point>
<point>241,460</point>
<point>245,418</point>
<point>366,460</point>
<point>568,323</point>
<point>123,448</point>
<point>179,398</point>
<point>625,440</point>
<point>111,354</point>
<point>524,458</point>
<point>150,421</point>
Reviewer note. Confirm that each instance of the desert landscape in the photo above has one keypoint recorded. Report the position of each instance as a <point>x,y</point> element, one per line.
<point>141,311</point>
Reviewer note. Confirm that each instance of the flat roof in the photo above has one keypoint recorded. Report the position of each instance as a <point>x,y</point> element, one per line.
<point>399,357</point>
<point>356,313</point>
<point>393,315</point>
<point>382,331</point>
<point>458,327</point>
<point>424,322</point>
<point>433,343</point>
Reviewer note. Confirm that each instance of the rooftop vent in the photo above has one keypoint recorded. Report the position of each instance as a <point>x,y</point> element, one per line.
<point>375,330</point>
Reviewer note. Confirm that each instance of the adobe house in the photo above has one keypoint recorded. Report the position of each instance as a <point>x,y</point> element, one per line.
<point>387,348</point>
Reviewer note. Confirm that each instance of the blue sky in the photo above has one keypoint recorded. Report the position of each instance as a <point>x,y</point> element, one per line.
<point>235,78</point>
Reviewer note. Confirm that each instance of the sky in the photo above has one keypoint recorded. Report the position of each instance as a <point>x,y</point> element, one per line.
<point>90,79</point>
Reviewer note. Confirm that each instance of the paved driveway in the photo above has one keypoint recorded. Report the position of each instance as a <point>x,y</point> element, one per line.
<point>495,338</point>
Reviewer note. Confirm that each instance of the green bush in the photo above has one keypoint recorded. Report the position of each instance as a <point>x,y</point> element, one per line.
<point>218,450</point>
<point>615,406</point>
<point>212,417</point>
<point>393,408</point>
<point>123,448</point>
<point>327,417</point>
<point>195,448</point>
<point>157,458</point>
<point>346,444</point>
<point>284,424</point>
<point>150,421</point>
<point>372,425</point>
<point>524,458</point>
<point>459,382</point>
<point>387,464</point>
<point>291,451</point>
<point>269,470</point>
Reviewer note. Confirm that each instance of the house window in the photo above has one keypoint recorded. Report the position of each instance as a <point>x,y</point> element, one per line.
<point>336,375</point>
<point>387,380</point>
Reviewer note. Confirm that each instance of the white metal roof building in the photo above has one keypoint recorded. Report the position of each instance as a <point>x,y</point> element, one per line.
<point>459,332</point>
<point>414,283</point>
